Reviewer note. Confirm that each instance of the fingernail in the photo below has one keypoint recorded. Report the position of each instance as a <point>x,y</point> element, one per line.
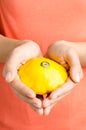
<point>77,78</point>
<point>9,77</point>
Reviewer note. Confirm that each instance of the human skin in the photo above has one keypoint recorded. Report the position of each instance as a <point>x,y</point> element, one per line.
<point>72,56</point>
<point>13,53</point>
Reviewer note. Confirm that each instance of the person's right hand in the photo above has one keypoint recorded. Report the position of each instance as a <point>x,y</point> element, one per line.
<point>17,57</point>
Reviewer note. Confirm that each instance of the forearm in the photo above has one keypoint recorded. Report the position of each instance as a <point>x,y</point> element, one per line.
<point>6,46</point>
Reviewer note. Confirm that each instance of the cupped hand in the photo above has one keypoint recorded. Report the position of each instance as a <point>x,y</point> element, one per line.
<point>63,53</point>
<point>17,57</point>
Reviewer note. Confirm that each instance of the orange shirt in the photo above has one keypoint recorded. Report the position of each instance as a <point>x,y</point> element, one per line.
<point>44,22</point>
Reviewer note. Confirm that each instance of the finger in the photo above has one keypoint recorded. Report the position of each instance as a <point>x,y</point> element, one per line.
<point>68,86</point>
<point>47,111</point>
<point>37,110</point>
<point>48,108</point>
<point>9,72</point>
<point>62,96</point>
<point>33,101</point>
<point>75,67</point>
<point>48,102</point>
<point>22,88</point>
<point>11,66</point>
<point>32,104</point>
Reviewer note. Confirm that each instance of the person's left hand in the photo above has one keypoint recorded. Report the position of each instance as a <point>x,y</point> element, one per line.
<point>63,53</point>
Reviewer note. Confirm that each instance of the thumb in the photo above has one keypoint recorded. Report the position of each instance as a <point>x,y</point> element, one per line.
<point>10,68</point>
<point>9,73</point>
<point>76,72</point>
